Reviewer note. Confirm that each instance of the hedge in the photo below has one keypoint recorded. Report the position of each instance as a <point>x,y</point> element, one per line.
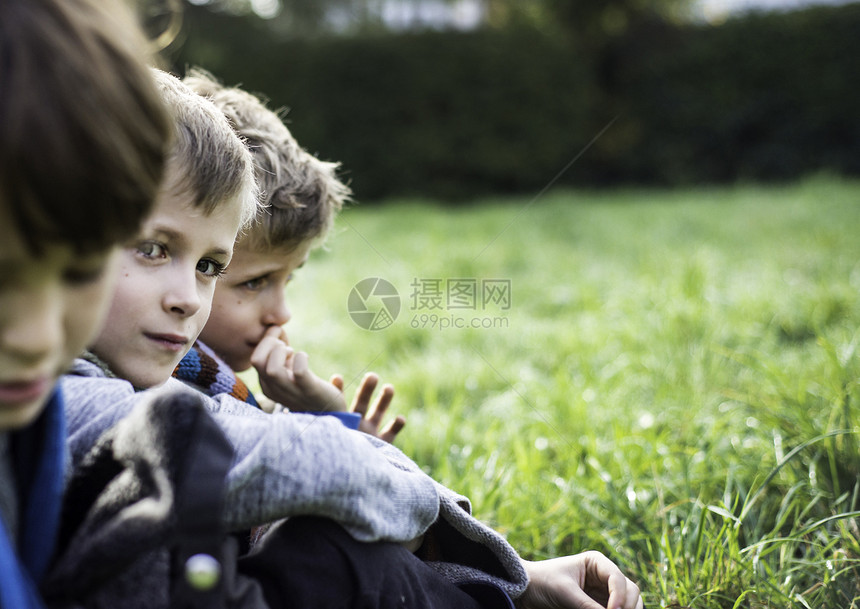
<point>458,115</point>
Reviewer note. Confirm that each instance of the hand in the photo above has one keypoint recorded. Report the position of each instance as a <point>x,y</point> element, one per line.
<point>370,421</point>
<point>584,581</point>
<point>286,378</point>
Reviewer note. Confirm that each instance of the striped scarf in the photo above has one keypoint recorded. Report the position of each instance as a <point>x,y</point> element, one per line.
<point>207,372</point>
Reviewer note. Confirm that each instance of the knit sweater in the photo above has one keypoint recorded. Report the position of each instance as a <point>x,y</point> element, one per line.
<point>291,464</point>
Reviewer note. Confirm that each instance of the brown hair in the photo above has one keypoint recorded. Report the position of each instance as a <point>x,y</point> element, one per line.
<point>302,193</point>
<point>83,131</point>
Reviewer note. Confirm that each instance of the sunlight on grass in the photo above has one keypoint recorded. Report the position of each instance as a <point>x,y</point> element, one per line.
<point>676,384</point>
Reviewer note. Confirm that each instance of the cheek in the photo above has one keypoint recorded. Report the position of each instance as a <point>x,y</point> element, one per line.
<point>230,312</point>
<point>129,290</point>
<point>206,295</point>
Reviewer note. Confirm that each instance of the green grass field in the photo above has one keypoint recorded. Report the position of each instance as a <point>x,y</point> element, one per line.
<point>674,382</point>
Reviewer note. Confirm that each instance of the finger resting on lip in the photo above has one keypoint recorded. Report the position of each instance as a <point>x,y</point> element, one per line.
<point>273,332</point>
<point>278,359</point>
<point>260,355</point>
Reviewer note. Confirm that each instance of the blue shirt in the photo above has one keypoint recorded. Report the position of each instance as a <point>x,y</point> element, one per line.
<point>38,460</point>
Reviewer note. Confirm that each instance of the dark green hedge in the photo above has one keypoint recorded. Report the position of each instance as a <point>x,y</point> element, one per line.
<point>457,115</point>
<point>768,97</point>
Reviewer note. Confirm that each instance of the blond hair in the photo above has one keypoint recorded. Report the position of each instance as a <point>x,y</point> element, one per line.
<point>211,161</point>
<point>302,194</point>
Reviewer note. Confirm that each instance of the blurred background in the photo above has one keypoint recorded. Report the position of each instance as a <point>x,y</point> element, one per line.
<point>454,99</point>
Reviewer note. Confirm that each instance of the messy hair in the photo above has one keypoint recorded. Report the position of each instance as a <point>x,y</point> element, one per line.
<point>210,161</point>
<point>302,193</point>
<point>83,131</point>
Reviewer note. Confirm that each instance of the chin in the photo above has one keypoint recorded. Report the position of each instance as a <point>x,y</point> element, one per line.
<point>21,415</point>
<point>149,381</point>
<point>240,366</point>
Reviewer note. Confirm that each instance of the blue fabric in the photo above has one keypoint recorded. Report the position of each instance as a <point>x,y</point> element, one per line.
<point>350,420</point>
<point>16,591</point>
<point>38,459</point>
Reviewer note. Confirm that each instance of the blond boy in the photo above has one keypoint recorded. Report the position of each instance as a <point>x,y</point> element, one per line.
<point>303,195</point>
<point>169,270</point>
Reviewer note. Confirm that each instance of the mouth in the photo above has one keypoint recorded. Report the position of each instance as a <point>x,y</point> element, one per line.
<point>171,342</point>
<point>23,392</point>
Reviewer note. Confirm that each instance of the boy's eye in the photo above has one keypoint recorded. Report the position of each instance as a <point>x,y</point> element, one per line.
<point>210,268</point>
<point>152,249</point>
<point>258,283</point>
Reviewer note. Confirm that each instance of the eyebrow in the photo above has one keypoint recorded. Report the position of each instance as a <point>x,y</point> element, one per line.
<point>180,238</point>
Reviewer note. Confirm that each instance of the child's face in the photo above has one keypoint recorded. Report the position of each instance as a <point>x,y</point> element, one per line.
<point>250,299</point>
<point>165,286</point>
<point>51,306</point>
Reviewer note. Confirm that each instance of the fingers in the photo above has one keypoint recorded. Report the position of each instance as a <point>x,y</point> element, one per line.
<point>631,598</point>
<point>302,372</point>
<point>277,363</point>
<point>371,416</point>
<point>277,332</point>
<point>274,332</point>
<point>588,580</point>
<point>623,593</point>
<point>271,356</point>
<point>337,381</point>
<point>390,432</point>
<point>364,393</point>
<point>380,407</point>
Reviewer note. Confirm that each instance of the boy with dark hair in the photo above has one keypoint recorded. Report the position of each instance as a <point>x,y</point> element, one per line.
<point>82,143</point>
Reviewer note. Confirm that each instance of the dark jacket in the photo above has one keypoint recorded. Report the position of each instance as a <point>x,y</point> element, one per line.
<point>147,497</point>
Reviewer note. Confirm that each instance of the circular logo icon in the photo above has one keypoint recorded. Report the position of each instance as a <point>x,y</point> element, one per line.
<point>373,303</point>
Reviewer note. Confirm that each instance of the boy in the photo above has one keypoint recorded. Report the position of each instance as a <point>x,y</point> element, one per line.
<point>355,504</point>
<point>82,137</point>
<point>105,161</point>
<point>160,304</point>
<point>302,196</point>
<point>169,270</point>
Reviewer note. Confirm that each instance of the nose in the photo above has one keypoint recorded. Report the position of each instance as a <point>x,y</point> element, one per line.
<point>32,323</point>
<point>181,295</point>
<point>276,312</point>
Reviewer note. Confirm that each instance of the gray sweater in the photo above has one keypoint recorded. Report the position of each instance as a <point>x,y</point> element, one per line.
<point>291,464</point>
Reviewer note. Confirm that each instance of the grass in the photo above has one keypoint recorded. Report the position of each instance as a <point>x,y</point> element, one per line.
<point>675,382</point>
